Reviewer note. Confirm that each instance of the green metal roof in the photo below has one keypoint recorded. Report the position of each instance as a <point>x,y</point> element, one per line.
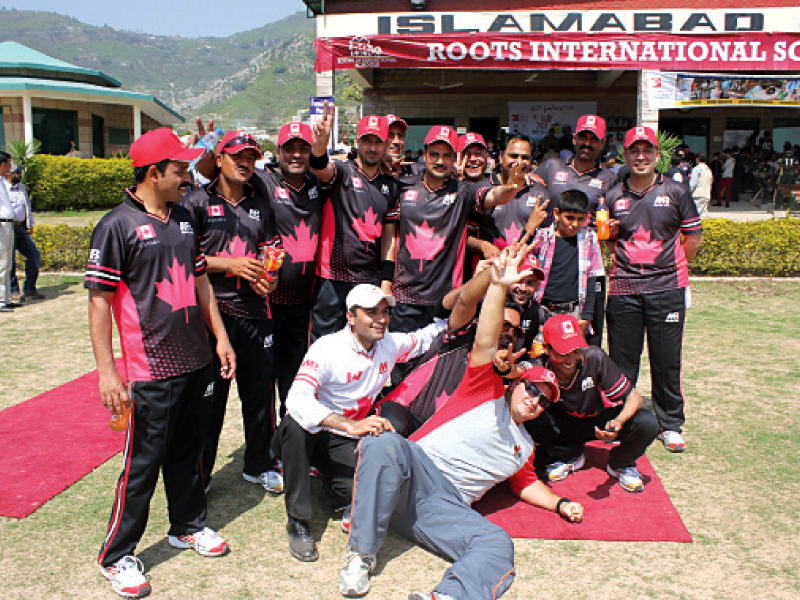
<point>21,61</point>
<point>71,87</point>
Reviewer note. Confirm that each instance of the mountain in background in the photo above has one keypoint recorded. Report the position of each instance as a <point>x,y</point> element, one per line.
<point>249,78</point>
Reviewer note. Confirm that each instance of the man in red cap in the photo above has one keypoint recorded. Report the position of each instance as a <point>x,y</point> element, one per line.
<point>297,200</point>
<point>597,403</point>
<point>146,263</point>
<point>236,223</point>
<point>583,172</point>
<point>425,486</point>
<point>394,162</point>
<point>357,242</point>
<point>656,231</point>
<point>472,157</point>
<point>432,230</point>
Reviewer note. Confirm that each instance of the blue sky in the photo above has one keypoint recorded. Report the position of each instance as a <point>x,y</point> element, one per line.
<point>170,17</point>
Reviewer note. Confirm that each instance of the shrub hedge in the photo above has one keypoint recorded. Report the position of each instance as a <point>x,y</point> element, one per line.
<point>767,248</point>
<point>69,183</point>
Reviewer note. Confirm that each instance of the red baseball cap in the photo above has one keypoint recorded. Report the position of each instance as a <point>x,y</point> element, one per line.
<point>470,138</point>
<point>236,141</point>
<point>442,133</point>
<point>593,123</point>
<point>563,334</point>
<point>373,125</point>
<point>640,133</point>
<point>392,119</point>
<point>298,131</point>
<point>161,144</point>
<point>543,375</point>
<point>532,263</point>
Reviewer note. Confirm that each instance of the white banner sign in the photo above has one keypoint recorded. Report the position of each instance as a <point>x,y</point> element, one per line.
<point>535,119</point>
<point>660,89</point>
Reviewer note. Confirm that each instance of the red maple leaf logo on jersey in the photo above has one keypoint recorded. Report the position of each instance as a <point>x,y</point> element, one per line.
<point>361,411</point>
<point>423,245</point>
<point>180,292</point>
<point>303,247</point>
<point>641,250</point>
<point>237,248</point>
<point>368,229</point>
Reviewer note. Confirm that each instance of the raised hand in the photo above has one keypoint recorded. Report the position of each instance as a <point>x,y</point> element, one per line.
<point>516,177</point>
<point>538,214</point>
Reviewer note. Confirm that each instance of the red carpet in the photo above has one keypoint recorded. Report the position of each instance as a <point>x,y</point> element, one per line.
<point>51,441</point>
<point>610,513</point>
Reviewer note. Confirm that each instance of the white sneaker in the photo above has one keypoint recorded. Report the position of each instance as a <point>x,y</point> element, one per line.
<point>629,478</point>
<point>354,578</point>
<point>206,542</point>
<point>558,471</point>
<point>127,577</point>
<point>272,481</point>
<point>673,441</point>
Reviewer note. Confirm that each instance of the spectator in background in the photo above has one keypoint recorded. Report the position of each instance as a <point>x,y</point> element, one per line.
<point>674,172</point>
<point>726,181</point>
<point>6,237</point>
<point>700,183</point>
<point>23,242</point>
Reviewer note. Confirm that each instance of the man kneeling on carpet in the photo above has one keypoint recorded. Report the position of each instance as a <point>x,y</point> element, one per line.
<point>425,487</point>
<point>597,402</point>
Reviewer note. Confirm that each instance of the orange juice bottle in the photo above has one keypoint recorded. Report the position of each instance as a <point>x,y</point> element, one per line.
<point>120,422</point>
<point>601,221</point>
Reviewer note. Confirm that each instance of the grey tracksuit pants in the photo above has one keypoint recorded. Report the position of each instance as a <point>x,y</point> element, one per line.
<point>397,483</point>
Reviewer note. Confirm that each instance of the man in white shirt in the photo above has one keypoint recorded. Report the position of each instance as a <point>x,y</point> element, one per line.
<point>700,183</point>
<point>329,405</point>
<point>726,181</point>
<point>6,236</point>
<point>23,242</point>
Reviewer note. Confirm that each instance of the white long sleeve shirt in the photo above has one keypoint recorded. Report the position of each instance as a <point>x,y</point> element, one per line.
<point>339,376</point>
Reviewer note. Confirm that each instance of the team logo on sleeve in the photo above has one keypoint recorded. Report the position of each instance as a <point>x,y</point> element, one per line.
<point>94,256</point>
<point>587,384</point>
<point>216,210</point>
<point>358,184</point>
<point>622,204</point>
<point>561,177</point>
<point>186,228</point>
<point>384,189</point>
<point>313,194</point>
<point>596,183</point>
<point>281,194</point>
<point>255,214</point>
<point>145,232</point>
<point>661,201</point>
<point>449,199</point>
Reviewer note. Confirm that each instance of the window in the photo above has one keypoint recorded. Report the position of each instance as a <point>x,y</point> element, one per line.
<point>56,129</point>
<point>119,136</point>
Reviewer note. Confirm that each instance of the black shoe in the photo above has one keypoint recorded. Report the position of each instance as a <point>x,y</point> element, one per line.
<point>13,304</point>
<point>301,543</point>
<point>6,309</point>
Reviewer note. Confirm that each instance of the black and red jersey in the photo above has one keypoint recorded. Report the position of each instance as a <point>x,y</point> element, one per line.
<point>560,175</point>
<point>298,217</point>
<point>352,224</point>
<point>432,237</point>
<point>507,223</point>
<point>649,256</point>
<point>150,266</point>
<point>233,229</point>
<point>598,384</point>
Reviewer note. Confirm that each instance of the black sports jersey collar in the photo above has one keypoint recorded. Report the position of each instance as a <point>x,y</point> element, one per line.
<point>306,181</point>
<point>134,201</point>
<point>659,180</point>
<point>441,187</point>
<point>248,192</point>
<point>593,171</point>
<point>370,179</point>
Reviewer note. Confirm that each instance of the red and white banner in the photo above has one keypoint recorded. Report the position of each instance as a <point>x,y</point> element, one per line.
<point>718,52</point>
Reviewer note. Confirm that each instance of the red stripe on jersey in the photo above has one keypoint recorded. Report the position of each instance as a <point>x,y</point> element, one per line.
<point>109,282</point>
<point>126,315</point>
<point>312,381</point>
<point>109,269</point>
<point>458,271</point>
<point>327,234</point>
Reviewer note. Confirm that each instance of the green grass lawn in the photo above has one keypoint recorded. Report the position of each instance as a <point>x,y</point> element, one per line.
<point>737,487</point>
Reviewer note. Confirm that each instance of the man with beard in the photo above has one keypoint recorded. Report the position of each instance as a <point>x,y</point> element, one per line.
<point>298,201</point>
<point>395,163</point>
<point>656,231</point>
<point>583,172</point>
<point>357,243</point>
<point>235,224</point>
<point>597,402</point>
<point>146,264</point>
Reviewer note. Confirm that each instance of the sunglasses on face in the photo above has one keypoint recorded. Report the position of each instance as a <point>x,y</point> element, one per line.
<point>241,140</point>
<point>536,394</point>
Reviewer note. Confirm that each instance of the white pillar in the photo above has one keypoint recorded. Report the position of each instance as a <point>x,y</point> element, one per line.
<point>27,119</point>
<point>137,122</point>
<point>644,115</point>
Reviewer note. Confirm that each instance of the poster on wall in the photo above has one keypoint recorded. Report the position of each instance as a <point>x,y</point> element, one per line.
<point>694,89</point>
<point>535,119</point>
<point>660,89</point>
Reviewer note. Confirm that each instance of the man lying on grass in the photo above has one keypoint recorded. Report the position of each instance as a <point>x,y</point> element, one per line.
<point>425,487</point>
